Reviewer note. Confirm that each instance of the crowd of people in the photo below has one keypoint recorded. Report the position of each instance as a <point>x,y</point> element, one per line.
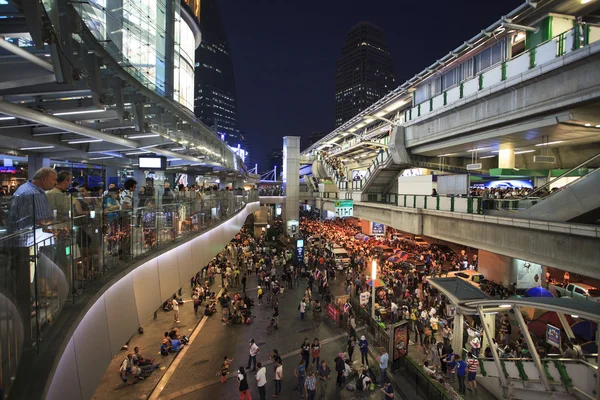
<point>336,163</point>
<point>508,192</point>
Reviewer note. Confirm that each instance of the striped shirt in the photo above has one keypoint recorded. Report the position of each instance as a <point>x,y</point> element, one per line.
<point>311,383</point>
<point>28,206</point>
<point>472,364</point>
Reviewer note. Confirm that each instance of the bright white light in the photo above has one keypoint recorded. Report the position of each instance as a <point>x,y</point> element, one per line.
<point>100,158</point>
<point>36,148</point>
<point>549,143</point>
<point>369,120</point>
<point>84,141</point>
<point>598,126</point>
<point>374,271</point>
<point>396,105</point>
<point>79,112</point>
<point>574,316</point>
<point>6,118</point>
<point>143,135</point>
<point>505,306</point>
<point>586,1</point>
<point>381,114</point>
<point>588,124</point>
<point>173,159</point>
<point>525,151</point>
<point>483,148</point>
<point>488,157</point>
<point>178,149</point>
<point>135,153</point>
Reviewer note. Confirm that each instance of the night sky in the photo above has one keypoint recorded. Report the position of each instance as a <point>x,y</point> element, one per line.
<point>284,53</point>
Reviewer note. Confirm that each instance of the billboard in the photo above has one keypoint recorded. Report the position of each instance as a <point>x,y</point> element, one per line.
<point>377,228</point>
<point>529,274</point>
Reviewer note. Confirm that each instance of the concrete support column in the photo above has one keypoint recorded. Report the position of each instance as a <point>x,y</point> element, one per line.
<point>291,180</point>
<point>506,158</point>
<point>458,332</point>
<point>34,163</point>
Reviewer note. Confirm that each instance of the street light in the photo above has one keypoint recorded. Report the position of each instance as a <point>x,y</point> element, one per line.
<point>373,277</point>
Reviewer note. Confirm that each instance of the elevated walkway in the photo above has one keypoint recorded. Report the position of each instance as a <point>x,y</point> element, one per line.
<point>576,202</point>
<point>569,246</point>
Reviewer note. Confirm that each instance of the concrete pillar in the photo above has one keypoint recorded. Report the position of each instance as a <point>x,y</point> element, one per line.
<point>496,267</point>
<point>291,181</point>
<point>34,163</point>
<point>506,158</point>
<point>458,332</point>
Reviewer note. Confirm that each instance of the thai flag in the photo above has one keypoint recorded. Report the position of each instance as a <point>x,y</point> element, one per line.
<point>347,308</point>
<point>317,273</point>
<point>324,280</point>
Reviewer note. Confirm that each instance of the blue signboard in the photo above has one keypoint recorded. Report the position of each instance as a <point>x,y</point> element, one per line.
<point>300,250</point>
<point>377,228</point>
<point>553,336</point>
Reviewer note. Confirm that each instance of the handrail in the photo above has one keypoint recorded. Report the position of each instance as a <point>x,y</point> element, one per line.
<point>563,175</point>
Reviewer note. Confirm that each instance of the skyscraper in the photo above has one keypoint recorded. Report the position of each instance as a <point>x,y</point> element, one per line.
<point>215,98</point>
<point>364,72</point>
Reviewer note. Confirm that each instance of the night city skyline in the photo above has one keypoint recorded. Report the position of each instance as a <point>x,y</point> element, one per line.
<point>284,54</point>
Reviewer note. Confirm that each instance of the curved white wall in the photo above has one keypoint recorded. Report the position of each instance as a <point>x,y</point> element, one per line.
<point>128,303</point>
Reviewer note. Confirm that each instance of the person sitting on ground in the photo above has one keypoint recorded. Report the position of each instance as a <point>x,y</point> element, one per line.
<point>427,369</point>
<point>363,381</point>
<point>128,368</point>
<point>141,361</point>
<point>176,345</point>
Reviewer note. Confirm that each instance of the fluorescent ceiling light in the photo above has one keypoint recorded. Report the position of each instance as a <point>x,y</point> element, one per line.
<point>396,105</point>
<point>135,153</point>
<point>446,155</point>
<point>84,141</point>
<point>79,112</point>
<point>588,124</point>
<point>143,135</point>
<point>549,143</point>
<point>505,306</point>
<point>150,146</point>
<point>173,159</point>
<point>178,149</point>
<point>488,157</point>
<point>525,151</point>
<point>352,129</point>
<point>36,148</point>
<point>6,118</point>
<point>381,114</point>
<point>598,126</point>
<point>101,158</point>
<point>586,1</point>
<point>480,149</point>
<point>49,133</point>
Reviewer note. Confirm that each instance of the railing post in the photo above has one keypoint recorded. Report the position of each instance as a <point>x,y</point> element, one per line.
<point>445,98</point>
<point>419,110</point>
<point>469,205</point>
<point>404,200</point>
<point>452,204</point>
<point>479,205</point>
<point>480,81</point>
<point>414,201</point>
<point>504,71</point>
<point>425,203</point>
<point>532,58</point>
<point>462,86</point>
<point>431,104</point>
<point>396,199</point>
<point>437,201</point>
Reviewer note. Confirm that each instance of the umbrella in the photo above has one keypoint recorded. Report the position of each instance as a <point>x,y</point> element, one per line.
<point>538,292</point>
<point>394,259</point>
<point>585,329</point>
<point>365,238</point>
<point>398,251</point>
<point>359,236</point>
<point>589,348</point>
<point>551,318</point>
<point>378,282</point>
<point>537,328</point>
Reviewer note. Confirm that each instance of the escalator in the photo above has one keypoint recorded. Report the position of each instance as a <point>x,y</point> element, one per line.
<point>577,202</point>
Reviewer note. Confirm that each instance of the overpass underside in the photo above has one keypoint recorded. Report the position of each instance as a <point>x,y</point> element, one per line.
<point>571,247</point>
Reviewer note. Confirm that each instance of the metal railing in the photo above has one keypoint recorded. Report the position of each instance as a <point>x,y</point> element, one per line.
<point>55,246</point>
<point>423,384</point>
<point>543,53</point>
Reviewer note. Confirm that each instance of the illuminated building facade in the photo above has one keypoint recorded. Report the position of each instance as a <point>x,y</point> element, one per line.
<point>215,95</point>
<point>364,72</point>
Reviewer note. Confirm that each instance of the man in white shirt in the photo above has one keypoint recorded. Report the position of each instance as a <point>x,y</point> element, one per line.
<point>253,351</point>
<point>302,309</point>
<point>278,377</point>
<point>261,381</point>
<point>175,310</point>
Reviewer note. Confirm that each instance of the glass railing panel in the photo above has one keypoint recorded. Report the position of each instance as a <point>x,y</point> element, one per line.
<point>54,246</point>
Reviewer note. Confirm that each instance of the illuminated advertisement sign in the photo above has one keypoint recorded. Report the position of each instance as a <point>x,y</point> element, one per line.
<point>377,228</point>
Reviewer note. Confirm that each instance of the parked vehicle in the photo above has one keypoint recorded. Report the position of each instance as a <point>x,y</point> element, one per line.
<point>473,277</point>
<point>578,291</point>
<point>341,256</point>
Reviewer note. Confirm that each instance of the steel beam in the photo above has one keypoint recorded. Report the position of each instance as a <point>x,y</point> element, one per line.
<point>532,350</point>
<point>486,330</point>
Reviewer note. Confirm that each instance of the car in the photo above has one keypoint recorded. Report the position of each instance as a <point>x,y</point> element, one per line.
<point>471,276</point>
<point>578,291</point>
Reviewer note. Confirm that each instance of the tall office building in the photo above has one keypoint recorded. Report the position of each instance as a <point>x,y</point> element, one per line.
<point>215,98</point>
<point>364,72</point>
